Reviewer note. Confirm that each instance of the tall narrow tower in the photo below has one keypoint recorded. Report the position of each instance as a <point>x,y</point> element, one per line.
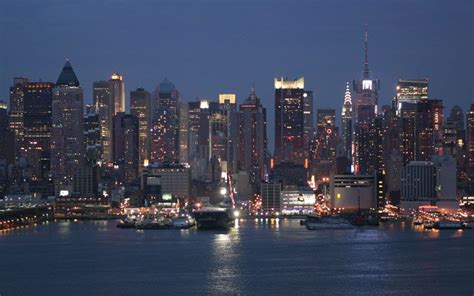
<point>346,124</point>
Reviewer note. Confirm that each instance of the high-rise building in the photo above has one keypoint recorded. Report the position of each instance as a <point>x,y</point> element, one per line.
<point>470,146</point>
<point>289,120</point>
<point>198,137</point>
<point>365,110</point>
<point>411,91</point>
<point>408,115</point>
<point>93,144</point>
<point>165,123</point>
<point>67,132</point>
<point>109,99</point>
<point>326,142</point>
<point>228,107</point>
<point>126,145</point>
<point>366,89</point>
<point>117,92</point>
<point>104,108</point>
<point>183,132</point>
<point>37,110</point>
<point>346,124</point>
<point>16,119</point>
<point>140,106</point>
<point>428,130</point>
<point>252,138</point>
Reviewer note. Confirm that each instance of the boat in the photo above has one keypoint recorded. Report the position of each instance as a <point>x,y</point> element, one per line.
<point>451,225</point>
<point>326,222</point>
<point>213,218</point>
<point>183,222</point>
<point>417,222</point>
<point>162,223</point>
<point>428,225</point>
<point>126,223</point>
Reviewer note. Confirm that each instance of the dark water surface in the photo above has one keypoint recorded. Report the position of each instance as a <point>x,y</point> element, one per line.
<point>255,258</point>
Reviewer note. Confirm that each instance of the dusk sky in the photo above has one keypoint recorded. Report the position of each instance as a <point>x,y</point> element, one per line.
<point>210,46</point>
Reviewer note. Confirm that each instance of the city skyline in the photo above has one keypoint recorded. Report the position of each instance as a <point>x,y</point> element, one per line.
<point>327,52</point>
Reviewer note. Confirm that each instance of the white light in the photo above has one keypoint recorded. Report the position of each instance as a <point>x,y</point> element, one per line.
<point>223,191</point>
<point>236,213</point>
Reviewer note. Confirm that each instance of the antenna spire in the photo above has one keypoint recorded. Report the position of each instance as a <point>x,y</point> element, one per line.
<point>366,62</point>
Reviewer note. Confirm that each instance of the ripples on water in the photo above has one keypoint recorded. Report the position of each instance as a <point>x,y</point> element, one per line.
<point>256,257</point>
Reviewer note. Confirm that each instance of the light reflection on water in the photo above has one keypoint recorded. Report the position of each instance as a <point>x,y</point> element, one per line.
<point>258,257</point>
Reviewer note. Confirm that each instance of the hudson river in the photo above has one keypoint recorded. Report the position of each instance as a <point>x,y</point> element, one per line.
<point>255,258</point>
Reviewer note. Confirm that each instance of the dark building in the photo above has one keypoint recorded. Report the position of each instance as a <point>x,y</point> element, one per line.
<point>126,145</point>
<point>428,133</point>
<point>470,147</point>
<point>252,138</point>
<point>92,139</point>
<point>37,120</point>
<point>140,106</point>
<point>16,114</point>
<point>165,137</point>
<point>289,121</point>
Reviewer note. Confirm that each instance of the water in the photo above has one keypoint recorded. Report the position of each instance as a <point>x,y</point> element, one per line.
<point>255,258</point>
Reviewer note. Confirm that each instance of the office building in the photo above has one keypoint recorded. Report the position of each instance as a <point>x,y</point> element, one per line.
<point>126,146</point>
<point>411,91</point>
<point>16,113</point>
<point>470,146</point>
<point>140,106</point>
<point>289,120</point>
<point>252,138</point>
<point>346,124</point>
<point>271,197</point>
<point>165,123</point>
<point>67,132</point>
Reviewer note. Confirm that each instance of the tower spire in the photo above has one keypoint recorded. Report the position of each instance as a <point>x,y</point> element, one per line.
<point>366,61</point>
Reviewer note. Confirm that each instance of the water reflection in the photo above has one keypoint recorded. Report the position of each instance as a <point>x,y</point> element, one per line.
<point>225,273</point>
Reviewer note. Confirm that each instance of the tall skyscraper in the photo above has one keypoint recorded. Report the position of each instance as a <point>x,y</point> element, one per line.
<point>326,143</point>
<point>289,120</point>
<point>365,110</point>
<point>366,89</point>
<point>140,106</point>
<point>183,132</point>
<point>126,145</point>
<point>252,138</point>
<point>16,120</point>
<point>470,146</point>
<point>109,99</point>
<point>117,92</point>
<point>428,128</point>
<point>104,108</point>
<point>93,144</point>
<point>228,108</point>
<point>37,108</point>
<point>67,133</point>
<point>165,123</point>
<point>346,124</point>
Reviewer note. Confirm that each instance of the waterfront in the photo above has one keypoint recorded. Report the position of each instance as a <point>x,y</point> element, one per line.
<point>256,258</point>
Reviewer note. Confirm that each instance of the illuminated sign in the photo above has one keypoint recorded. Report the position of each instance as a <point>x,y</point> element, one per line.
<point>63,192</point>
<point>167,196</point>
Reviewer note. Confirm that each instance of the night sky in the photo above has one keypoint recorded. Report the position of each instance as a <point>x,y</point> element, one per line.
<point>211,46</point>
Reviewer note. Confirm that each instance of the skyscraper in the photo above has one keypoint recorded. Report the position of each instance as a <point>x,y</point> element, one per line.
<point>165,123</point>
<point>67,133</point>
<point>428,128</point>
<point>117,92</point>
<point>470,146</point>
<point>140,106</point>
<point>16,119</point>
<point>126,145</point>
<point>37,108</point>
<point>228,107</point>
<point>252,138</point>
<point>108,99</point>
<point>346,124</point>
<point>365,109</point>
<point>104,108</point>
<point>289,120</point>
